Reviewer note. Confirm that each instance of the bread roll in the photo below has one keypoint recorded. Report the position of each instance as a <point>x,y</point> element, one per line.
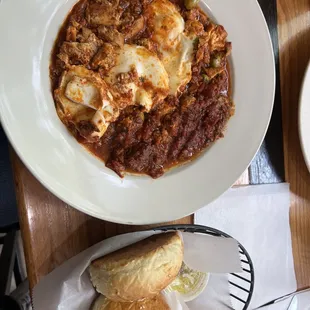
<point>140,270</point>
<point>155,303</point>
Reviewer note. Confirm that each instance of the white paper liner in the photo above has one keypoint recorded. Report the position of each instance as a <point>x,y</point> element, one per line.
<point>69,286</point>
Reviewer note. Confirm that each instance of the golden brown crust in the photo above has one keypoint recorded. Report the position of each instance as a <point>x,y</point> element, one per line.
<point>155,303</point>
<point>140,270</point>
<point>149,245</point>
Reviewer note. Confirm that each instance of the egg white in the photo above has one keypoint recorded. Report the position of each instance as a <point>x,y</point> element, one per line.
<point>83,96</point>
<point>149,69</point>
<point>175,48</point>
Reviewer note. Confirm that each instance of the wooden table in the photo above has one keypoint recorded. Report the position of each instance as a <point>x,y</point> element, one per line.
<point>53,231</point>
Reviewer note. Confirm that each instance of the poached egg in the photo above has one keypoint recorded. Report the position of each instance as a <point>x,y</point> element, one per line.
<point>152,83</point>
<point>175,49</point>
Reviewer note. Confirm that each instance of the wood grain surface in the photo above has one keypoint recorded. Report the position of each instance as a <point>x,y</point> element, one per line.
<point>53,232</point>
<point>294,43</point>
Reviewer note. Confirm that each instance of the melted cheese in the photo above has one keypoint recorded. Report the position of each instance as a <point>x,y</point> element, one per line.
<point>176,49</point>
<point>153,84</point>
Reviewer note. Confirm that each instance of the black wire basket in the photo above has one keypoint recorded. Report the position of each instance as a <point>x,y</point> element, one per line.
<point>241,284</point>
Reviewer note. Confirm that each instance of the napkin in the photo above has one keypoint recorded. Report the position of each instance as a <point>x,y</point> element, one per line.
<point>258,217</point>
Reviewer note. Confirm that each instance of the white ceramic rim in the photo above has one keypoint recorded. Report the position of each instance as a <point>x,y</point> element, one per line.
<point>155,217</point>
<point>304,116</point>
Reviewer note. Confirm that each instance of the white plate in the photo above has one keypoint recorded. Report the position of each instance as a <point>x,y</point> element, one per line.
<point>28,30</point>
<point>304,117</point>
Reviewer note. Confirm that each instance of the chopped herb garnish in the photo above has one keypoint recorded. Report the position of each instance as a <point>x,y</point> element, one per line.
<point>206,78</point>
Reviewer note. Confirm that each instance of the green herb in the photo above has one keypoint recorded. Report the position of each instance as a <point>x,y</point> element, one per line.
<point>216,61</point>
<point>206,78</point>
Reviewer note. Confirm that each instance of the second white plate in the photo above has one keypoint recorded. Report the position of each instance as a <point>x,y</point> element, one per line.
<point>304,117</point>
